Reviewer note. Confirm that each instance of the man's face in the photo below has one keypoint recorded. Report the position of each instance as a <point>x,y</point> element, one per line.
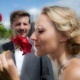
<point>21,26</point>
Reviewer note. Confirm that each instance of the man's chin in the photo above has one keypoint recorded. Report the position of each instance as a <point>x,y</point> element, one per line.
<point>23,35</point>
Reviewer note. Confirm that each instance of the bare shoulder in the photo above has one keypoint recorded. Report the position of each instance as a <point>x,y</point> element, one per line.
<point>73,72</point>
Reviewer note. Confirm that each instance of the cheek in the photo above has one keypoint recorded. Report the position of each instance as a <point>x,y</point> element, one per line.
<point>50,43</point>
<point>41,49</point>
<point>27,27</point>
<point>16,28</point>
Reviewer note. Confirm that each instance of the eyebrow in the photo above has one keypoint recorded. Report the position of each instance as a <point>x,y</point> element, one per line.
<point>38,26</point>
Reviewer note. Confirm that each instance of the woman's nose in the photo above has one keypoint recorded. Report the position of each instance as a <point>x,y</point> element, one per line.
<point>33,36</point>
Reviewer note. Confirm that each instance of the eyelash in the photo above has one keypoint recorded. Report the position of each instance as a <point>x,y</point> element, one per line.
<point>20,24</point>
<point>40,31</point>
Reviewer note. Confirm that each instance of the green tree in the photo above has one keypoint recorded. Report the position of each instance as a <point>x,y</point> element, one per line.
<point>10,33</point>
<point>3,31</point>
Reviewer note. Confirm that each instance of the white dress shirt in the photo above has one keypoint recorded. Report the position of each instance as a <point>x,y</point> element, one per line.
<point>19,59</point>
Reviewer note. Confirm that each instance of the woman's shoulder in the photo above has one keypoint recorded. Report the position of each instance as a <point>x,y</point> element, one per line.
<point>75,62</point>
<point>73,71</point>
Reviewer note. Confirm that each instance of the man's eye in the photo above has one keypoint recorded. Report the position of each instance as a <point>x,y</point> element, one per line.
<point>25,24</point>
<point>18,24</point>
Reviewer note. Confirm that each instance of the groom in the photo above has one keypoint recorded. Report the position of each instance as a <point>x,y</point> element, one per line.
<point>30,67</point>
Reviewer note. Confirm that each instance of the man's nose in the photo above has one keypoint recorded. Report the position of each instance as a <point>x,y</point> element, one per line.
<point>22,26</point>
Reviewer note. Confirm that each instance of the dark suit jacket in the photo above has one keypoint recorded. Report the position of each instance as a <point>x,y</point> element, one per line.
<point>34,67</point>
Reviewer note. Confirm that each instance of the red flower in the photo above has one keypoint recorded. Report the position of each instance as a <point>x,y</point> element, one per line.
<point>0,17</point>
<point>23,43</point>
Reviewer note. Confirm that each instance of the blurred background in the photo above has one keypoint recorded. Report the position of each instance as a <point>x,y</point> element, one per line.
<point>33,7</point>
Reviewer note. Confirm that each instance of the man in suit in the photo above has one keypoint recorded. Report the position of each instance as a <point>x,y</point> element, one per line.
<point>30,67</point>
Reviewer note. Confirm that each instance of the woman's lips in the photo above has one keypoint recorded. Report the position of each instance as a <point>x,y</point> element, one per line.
<point>37,46</point>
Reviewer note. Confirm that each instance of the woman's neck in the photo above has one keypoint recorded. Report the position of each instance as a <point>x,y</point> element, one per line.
<point>61,55</point>
<point>61,59</point>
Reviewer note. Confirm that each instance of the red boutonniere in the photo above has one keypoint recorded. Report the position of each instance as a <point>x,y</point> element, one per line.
<point>23,44</point>
<point>0,17</point>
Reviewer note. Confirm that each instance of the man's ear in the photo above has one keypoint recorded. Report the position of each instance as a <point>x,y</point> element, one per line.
<point>63,38</point>
<point>30,26</point>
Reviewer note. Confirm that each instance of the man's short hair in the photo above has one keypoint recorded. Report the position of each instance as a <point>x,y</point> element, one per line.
<point>18,14</point>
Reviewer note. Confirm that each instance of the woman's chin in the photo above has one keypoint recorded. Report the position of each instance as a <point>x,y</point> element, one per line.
<point>39,53</point>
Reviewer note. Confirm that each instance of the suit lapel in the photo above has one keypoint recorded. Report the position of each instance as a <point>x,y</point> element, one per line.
<point>26,59</point>
<point>9,46</point>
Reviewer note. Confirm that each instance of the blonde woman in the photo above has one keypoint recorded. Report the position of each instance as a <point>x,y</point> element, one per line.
<point>57,33</point>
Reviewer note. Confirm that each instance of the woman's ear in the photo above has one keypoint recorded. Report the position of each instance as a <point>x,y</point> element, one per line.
<point>63,38</point>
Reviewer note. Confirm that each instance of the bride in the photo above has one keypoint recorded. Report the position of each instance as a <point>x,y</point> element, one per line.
<point>57,33</point>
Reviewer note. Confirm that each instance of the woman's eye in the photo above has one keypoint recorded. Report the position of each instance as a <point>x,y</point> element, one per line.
<point>40,31</point>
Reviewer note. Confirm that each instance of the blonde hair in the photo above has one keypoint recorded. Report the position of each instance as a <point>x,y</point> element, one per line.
<point>67,23</point>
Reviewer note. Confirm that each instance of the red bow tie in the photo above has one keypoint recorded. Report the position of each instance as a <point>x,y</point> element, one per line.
<point>23,43</point>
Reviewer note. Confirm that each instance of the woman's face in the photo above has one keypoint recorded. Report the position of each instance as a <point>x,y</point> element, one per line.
<point>46,37</point>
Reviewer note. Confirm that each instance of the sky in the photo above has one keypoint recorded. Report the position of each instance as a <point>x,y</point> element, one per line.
<point>33,7</point>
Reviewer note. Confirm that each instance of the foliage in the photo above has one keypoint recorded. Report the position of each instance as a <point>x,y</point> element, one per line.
<point>8,33</point>
<point>5,33</point>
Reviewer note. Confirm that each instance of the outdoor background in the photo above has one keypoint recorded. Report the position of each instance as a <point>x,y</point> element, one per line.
<point>33,7</point>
